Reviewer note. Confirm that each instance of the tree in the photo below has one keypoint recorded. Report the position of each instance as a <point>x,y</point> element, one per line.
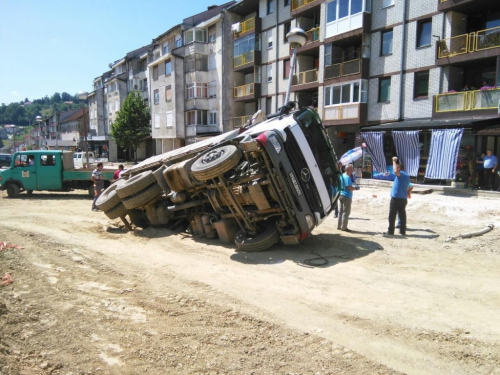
<point>65,97</point>
<point>132,124</point>
<point>56,98</point>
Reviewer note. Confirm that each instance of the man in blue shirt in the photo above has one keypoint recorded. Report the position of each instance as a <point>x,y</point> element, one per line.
<point>399,198</point>
<point>346,198</point>
<point>490,163</point>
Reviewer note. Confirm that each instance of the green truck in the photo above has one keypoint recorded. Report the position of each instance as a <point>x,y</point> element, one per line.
<point>51,170</point>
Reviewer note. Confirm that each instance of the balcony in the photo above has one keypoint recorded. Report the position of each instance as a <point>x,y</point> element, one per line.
<point>246,61</point>
<point>194,130</point>
<point>300,7</point>
<point>312,45</point>
<point>468,47</point>
<point>464,6</point>
<point>345,114</point>
<point>249,92</point>
<point>305,80</point>
<point>467,104</point>
<point>242,120</point>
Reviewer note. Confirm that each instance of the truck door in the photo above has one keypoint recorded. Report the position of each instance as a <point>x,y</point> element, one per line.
<point>25,171</point>
<point>49,172</point>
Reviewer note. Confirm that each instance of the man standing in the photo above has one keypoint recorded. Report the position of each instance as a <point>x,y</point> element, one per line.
<point>399,198</point>
<point>345,198</point>
<point>98,181</point>
<point>490,168</point>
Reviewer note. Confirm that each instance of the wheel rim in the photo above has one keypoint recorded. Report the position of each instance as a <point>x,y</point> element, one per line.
<point>212,155</point>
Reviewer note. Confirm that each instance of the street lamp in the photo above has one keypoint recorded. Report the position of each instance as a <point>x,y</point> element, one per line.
<point>82,95</point>
<point>297,38</point>
<point>38,119</point>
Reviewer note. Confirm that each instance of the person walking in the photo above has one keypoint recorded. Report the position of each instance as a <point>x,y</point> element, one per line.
<point>399,198</point>
<point>98,181</point>
<point>346,198</point>
<point>490,167</point>
<point>116,175</point>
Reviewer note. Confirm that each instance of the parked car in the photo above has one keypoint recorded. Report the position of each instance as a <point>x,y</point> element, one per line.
<point>267,182</point>
<point>5,160</point>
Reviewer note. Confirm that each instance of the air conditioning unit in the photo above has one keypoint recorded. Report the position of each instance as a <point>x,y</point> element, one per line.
<point>212,96</point>
<point>236,28</point>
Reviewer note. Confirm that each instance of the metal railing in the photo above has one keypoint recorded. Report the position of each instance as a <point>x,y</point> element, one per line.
<point>313,35</point>
<point>244,90</point>
<point>341,112</point>
<point>246,58</point>
<point>305,77</point>
<point>247,25</point>
<point>242,120</point>
<point>466,43</point>
<point>343,69</point>
<point>467,101</point>
<point>296,4</point>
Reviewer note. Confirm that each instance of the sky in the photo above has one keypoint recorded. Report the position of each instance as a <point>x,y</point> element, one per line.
<point>49,46</point>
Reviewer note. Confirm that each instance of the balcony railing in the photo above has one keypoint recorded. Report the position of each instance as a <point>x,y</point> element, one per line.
<point>242,120</point>
<point>466,43</point>
<point>313,35</point>
<point>302,78</point>
<point>342,112</point>
<point>246,58</point>
<point>467,101</point>
<point>244,90</point>
<point>343,69</point>
<point>296,4</point>
<point>247,25</point>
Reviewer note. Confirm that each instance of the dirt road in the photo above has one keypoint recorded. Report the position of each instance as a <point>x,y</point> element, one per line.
<point>90,298</point>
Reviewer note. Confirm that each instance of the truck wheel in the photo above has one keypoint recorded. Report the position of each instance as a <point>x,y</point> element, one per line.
<point>29,192</point>
<point>216,162</point>
<point>143,197</point>
<point>13,191</point>
<point>135,184</point>
<point>260,242</point>
<point>108,198</point>
<point>137,217</point>
<point>116,212</point>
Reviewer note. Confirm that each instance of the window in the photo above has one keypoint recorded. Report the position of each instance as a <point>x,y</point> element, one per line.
<point>270,6</point>
<point>117,106</point>
<point>178,40</point>
<point>168,93</point>
<point>196,62</point>
<point>331,11</point>
<point>328,54</point>
<point>286,29</point>
<point>424,30</point>
<point>211,62</point>
<point>196,90</point>
<point>165,48</point>
<point>386,40</point>
<point>110,108</point>
<point>168,68</point>
<point>194,35</point>
<point>145,84</point>
<point>269,105</point>
<point>337,9</point>
<point>270,38</point>
<point>212,89</point>
<point>286,68</point>
<point>157,121</point>
<point>212,118</point>
<point>47,160</point>
<point>347,93</point>
<point>244,45</point>
<point>270,73</point>
<point>421,84</point>
<point>356,6</point>
<point>156,96</point>
<point>196,117</point>
<point>169,119</point>
<point>155,73</point>
<point>343,8</point>
<point>387,3</point>
<point>287,3</point>
<point>384,89</point>
<point>24,160</point>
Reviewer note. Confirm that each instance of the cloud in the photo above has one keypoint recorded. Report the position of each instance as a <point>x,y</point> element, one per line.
<point>15,93</point>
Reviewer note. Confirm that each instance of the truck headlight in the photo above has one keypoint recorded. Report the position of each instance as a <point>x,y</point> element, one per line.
<point>274,141</point>
<point>310,222</point>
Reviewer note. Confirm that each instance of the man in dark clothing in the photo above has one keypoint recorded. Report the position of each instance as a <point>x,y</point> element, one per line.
<point>399,198</point>
<point>98,181</point>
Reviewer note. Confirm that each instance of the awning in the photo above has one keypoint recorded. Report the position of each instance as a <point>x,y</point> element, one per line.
<point>474,124</point>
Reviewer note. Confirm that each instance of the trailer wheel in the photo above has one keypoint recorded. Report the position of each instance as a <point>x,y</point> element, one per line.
<point>116,212</point>
<point>143,197</point>
<point>135,184</point>
<point>138,218</point>
<point>108,198</point>
<point>12,190</point>
<point>216,162</point>
<point>260,242</point>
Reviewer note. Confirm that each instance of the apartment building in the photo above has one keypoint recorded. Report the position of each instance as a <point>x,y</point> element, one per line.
<point>188,77</point>
<point>98,119</point>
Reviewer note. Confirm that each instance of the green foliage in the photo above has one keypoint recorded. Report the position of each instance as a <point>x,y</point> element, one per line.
<point>132,124</point>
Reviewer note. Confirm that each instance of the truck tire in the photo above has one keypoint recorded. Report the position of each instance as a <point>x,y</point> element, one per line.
<point>108,198</point>
<point>216,162</point>
<point>143,197</point>
<point>116,212</point>
<point>138,218</point>
<point>12,190</point>
<point>262,241</point>
<point>135,184</point>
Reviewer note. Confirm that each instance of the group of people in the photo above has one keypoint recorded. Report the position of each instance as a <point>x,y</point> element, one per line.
<point>400,192</point>
<point>98,180</point>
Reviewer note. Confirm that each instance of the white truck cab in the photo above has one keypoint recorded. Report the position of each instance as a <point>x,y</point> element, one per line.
<point>80,159</point>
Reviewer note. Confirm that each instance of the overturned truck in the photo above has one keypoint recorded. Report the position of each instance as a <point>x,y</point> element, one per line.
<point>269,181</point>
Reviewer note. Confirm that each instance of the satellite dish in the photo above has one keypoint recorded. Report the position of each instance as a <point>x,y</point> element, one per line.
<point>110,65</point>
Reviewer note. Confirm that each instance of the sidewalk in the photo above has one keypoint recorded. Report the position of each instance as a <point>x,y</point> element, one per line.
<point>426,189</point>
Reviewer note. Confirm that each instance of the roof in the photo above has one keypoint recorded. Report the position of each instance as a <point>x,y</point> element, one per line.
<point>166,32</point>
<point>207,14</point>
<point>76,115</point>
<point>432,124</point>
<point>244,7</point>
<point>64,116</point>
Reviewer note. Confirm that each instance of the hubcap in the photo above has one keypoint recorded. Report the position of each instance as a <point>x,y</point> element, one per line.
<point>212,155</point>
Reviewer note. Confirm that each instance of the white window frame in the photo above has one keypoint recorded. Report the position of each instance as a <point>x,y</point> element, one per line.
<point>269,74</point>
<point>110,107</point>
<point>212,63</point>
<point>212,89</point>
<point>169,120</point>
<point>212,117</point>
<point>157,121</point>
<point>117,105</point>
<point>269,38</point>
<point>363,93</point>
<point>192,90</point>
<point>178,40</point>
<point>169,62</point>
<point>165,48</point>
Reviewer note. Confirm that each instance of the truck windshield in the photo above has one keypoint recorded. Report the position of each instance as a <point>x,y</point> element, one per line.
<point>318,140</point>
